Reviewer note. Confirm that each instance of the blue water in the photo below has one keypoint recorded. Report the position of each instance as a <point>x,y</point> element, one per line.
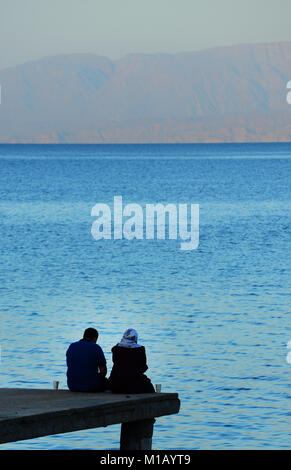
<point>215,321</point>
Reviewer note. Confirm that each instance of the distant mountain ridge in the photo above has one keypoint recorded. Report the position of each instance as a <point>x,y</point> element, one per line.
<point>224,94</point>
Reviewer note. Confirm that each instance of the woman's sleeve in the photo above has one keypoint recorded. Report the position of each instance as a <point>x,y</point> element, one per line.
<point>113,355</point>
<point>143,360</point>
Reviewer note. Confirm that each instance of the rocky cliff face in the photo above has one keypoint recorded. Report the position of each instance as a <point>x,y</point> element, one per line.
<point>228,94</point>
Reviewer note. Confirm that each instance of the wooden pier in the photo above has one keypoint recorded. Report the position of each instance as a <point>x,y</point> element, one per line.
<point>31,413</point>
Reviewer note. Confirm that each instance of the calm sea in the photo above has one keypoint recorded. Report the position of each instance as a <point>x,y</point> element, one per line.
<point>215,321</point>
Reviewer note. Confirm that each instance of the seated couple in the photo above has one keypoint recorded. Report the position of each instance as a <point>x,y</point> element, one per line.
<point>87,365</point>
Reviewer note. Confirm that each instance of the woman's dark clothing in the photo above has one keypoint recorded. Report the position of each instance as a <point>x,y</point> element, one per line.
<point>127,375</point>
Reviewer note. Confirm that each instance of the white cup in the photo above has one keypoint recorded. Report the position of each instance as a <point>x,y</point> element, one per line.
<point>56,384</point>
<point>158,388</point>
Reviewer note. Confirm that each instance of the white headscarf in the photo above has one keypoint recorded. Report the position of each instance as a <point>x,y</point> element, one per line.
<point>129,339</point>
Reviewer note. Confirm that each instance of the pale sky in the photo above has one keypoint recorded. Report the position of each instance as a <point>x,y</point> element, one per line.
<point>31,29</point>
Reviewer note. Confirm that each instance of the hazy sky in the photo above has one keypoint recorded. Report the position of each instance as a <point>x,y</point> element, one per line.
<point>30,29</point>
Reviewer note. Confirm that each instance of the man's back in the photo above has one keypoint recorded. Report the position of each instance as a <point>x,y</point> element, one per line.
<point>84,359</point>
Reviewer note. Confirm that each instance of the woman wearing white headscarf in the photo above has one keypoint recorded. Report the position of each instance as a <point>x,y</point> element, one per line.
<point>129,365</point>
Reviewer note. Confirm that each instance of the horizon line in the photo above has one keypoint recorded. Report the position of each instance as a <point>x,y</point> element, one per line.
<point>190,51</point>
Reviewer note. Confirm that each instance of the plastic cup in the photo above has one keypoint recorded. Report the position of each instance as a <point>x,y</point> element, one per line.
<point>158,388</point>
<point>56,384</point>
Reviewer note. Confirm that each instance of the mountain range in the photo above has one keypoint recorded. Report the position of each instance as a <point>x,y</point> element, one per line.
<point>223,94</point>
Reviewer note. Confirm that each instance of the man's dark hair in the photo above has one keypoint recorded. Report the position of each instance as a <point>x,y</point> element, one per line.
<point>90,333</point>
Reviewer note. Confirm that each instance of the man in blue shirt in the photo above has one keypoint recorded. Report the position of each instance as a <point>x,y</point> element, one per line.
<point>86,364</point>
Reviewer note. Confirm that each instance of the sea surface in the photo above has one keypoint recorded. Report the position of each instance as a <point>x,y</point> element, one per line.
<point>215,321</point>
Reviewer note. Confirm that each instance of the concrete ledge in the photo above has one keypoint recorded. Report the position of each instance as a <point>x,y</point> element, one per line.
<point>31,413</point>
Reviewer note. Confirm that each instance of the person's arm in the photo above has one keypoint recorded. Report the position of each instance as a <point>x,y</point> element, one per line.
<point>101,361</point>
<point>68,355</point>
<point>143,361</point>
<point>103,370</point>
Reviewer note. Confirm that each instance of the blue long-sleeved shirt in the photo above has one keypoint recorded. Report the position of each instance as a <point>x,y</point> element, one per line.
<point>84,360</point>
